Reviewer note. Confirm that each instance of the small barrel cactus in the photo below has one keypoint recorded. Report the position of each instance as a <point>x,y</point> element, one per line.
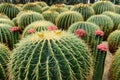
<point>117,9</point>
<point>27,18</point>
<point>84,9</point>
<point>14,20</point>
<point>37,26</point>
<point>114,41</point>
<point>33,7</point>
<point>115,68</point>
<point>104,22</point>
<point>55,55</point>
<point>101,6</point>
<point>6,21</point>
<point>115,17</point>
<point>41,3</point>
<point>4,60</point>
<point>9,9</point>
<point>50,15</point>
<point>65,19</point>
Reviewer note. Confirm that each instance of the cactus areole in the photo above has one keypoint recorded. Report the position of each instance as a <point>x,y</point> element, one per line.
<point>51,55</point>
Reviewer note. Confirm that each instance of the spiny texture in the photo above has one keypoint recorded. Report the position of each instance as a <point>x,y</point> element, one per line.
<point>6,21</point>
<point>37,26</point>
<point>104,22</point>
<point>27,18</point>
<point>4,16</point>
<point>14,20</point>
<point>9,9</point>
<point>117,9</point>
<point>114,41</point>
<point>115,17</point>
<point>51,55</point>
<point>50,15</point>
<point>101,6</point>
<point>65,19</point>
<point>90,29</point>
<point>33,7</point>
<point>84,9</point>
<point>45,8</point>
<point>6,35</point>
<point>4,59</point>
<point>41,3</point>
<point>115,69</point>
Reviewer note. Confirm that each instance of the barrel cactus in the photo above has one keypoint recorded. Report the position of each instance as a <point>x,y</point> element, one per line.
<point>101,6</point>
<point>65,19</point>
<point>27,18</point>
<point>113,41</point>
<point>117,9</point>
<point>55,55</point>
<point>37,26</point>
<point>115,68</point>
<point>115,17</point>
<point>45,8</point>
<point>41,3</point>
<point>14,20</point>
<point>9,9</point>
<point>84,9</point>
<point>6,21</point>
<point>3,16</point>
<point>4,60</point>
<point>104,22</point>
<point>33,7</point>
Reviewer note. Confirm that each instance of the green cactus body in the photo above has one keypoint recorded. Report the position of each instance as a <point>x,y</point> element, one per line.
<point>6,21</point>
<point>115,68</point>
<point>41,3</point>
<point>101,6</point>
<point>117,9</point>
<point>14,20</point>
<point>6,36</point>
<point>104,22</point>
<point>84,9</point>
<point>27,18</point>
<point>45,8</point>
<point>4,59</point>
<point>64,20</point>
<point>115,17</point>
<point>114,41</point>
<point>50,15</point>
<point>51,55</point>
<point>88,27</point>
<point>33,7</point>
<point>38,26</point>
<point>9,9</point>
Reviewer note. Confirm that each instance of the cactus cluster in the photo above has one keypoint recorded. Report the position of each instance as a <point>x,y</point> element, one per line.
<point>51,55</point>
<point>65,19</point>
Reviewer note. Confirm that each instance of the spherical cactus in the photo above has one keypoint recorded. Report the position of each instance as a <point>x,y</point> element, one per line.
<point>104,22</point>
<point>50,15</point>
<point>117,9</point>
<point>27,18</point>
<point>89,28</point>
<point>65,19</point>
<point>37,26</point>
<point>101,6</point>
<point>14,20</point>
<point>55,55</point>
<point>84,9</point>
<point>4,60</point>
<point>33,7</point>
<point>6,21</point>
<point>9,9</point>
<point>6,35</point>
<point>4,16</point>
<point>45,8</point>
<point>115,68</point>
<point>115,17</point>
<point>41,3</point>
<point>113,41</point>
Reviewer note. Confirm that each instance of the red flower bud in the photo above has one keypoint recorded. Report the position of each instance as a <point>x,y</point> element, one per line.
<point>102,47</point>
<point>80,32</point>
<point>52,28</point>
<point>14,29</point>
<point>99,33</point>
<point>30,31</point>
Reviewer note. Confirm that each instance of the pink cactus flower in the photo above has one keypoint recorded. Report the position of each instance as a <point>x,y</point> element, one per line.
<point>80,32</point>
<point>30,31</point>
<point>52,28</point>
<point>99,33</point>
<point>14,29</point>
<point>102,47</point>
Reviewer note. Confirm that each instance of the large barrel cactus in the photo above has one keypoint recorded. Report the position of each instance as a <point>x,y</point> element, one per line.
<point>84,9</point>
<point>50,15</point>
<point>101,6</point>
<point>114,41</point>
<point>65,19</point>
<point>27,18</point>
<point>115,17</point>
<point>9,9</point>
<point>51,55</point>
<point>115,68</point>
<point>117,9</point>
<point>33,7</point>
<point>4,60</point>
<point>104,22</point>
<point>37,26</point>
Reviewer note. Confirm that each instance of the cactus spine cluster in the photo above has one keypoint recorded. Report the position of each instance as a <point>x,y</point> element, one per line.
<point>6,21</point>
<point>51,55</point>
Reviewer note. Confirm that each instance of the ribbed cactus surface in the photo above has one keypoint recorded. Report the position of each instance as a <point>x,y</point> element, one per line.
<point>117,9</point>
<point>51,55</point>
<point>6,21</point>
